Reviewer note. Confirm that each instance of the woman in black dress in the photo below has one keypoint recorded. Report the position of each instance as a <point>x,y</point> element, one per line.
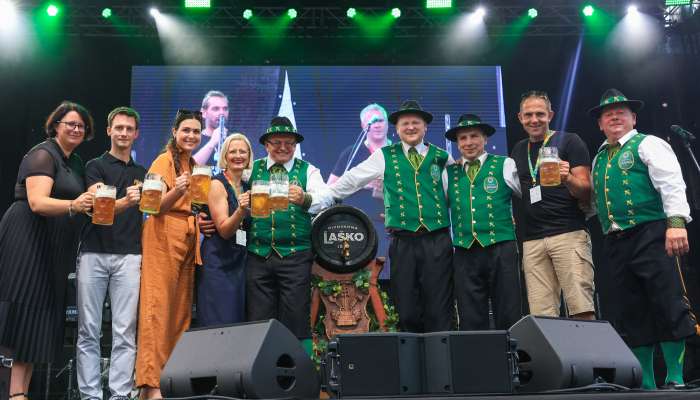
<point>39,242</point>
<point>221,279</point>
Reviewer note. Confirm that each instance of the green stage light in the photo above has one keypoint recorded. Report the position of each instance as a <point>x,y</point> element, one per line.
<point>197,3</point>
<point>532,13</point>
<point>52,10</point>
<point>396,12</point>
<point>351,12</point>
<point>438,3</point>
<point>247,13</point>
<point>106,13</point>
<point>678,2</point>
<point>588,10</point>
<point>292,13</point>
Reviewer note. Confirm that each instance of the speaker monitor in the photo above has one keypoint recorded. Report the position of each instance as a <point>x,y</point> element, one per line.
<point>253,360</point>
<point>469,362</point>
<point>374,364</point>
<point>558,353</point>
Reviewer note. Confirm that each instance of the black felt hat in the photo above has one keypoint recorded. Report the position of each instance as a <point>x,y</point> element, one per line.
<point>410,107</point>
<point>612,97</point>
<point>469,121</point>
<point>281,125</point>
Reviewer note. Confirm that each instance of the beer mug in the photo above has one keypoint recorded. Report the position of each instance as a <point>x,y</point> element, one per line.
<point>259,199</point>
<point>279,192</point>
<point>200,184</point>
<point>151,194</point>
<point>549,167</point>
<point>103,207</point>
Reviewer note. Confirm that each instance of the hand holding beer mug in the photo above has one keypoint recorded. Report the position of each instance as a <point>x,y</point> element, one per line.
<point>549,167</point>
<point>259,198</point>
<point>152,194</point>
<point>103,208</point>
<point>279,192</point>
<point>296,194</point>
<point>201,182</point>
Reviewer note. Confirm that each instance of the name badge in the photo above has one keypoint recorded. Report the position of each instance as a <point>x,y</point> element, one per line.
<point>241,237</point>
<point>535,194</point>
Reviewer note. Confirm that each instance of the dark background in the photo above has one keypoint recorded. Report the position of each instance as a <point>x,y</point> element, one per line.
<point>96,72</point>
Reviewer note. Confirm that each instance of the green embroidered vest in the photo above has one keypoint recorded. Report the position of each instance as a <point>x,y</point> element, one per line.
<point>414,197</point>
<point>624,194</point>
<point>481,210</point>
<point>285,232</point>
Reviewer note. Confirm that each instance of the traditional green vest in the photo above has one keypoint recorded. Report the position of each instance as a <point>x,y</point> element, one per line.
<point>624,194</point>
<point>285,232</point>
<point>481,210</point>
<point>414,197</point>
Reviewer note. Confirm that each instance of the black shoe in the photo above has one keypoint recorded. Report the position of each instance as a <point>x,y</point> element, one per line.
<point>673,386</point>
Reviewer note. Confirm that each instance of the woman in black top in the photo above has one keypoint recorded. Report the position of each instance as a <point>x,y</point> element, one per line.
<point>39,242</point>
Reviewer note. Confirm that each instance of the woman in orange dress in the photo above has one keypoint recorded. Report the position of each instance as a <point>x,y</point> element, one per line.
<point>170,252</point>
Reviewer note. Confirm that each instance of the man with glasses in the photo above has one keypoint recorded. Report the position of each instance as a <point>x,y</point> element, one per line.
<point>557,253</point>
<point>214,110</point>
<point>110,262</point>
<point>416,213</point>
<point>278,269</point>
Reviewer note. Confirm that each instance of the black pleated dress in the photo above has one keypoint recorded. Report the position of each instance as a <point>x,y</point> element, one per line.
<point>36,255</point>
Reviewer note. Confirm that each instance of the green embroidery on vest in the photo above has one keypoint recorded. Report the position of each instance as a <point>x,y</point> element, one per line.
<point>624,194</point>
<point>414,197</point>
<point>481,210</point>
<point>285,232</point>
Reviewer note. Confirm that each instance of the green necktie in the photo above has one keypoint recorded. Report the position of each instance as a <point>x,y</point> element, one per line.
<point>612,150</point>
<point>277,169</point>
<point>473,169</point>
<point>414,157</point>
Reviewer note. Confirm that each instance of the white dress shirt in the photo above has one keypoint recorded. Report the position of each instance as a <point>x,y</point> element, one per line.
<point>370,169</point>
<point>510,172</point>
<point>664,172</point>
<point>315,186</point>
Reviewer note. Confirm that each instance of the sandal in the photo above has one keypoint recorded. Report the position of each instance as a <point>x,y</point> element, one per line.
<point>18,395</point>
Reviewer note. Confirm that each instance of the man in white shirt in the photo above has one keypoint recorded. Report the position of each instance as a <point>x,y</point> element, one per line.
<point>642,207</point>
<point>486,263</point>
<point>417,216</point>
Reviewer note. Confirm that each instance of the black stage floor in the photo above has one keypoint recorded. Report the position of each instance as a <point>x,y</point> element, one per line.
<point>627,395</point>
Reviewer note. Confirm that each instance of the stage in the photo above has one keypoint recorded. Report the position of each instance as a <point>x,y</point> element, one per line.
<point>632,394</point>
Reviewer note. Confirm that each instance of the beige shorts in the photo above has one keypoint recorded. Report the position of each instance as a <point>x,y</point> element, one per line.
<point>556,264</point>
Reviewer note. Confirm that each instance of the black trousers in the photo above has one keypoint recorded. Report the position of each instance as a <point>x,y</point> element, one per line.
<point>483,273</point>
<point>280,288</point>
<point>421,280</point>
<point>653,306</point>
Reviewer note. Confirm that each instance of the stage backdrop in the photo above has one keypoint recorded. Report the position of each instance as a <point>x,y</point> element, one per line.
<point>324,102</point>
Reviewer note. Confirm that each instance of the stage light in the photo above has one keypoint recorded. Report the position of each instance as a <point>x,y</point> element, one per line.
<point>154,12</point>
<point>632,10</point>
<point>197,3</point>
<point>52,10</point>
<point>532,13</point>
<point>396,12</point>
<point>8,16</point>
<point>292,13</point>
<point>438,3</point>
<point>480,13</point>
<point>351,12</point>
<point>588,10</point>
<point>247,13</point>
<point>106,13</point>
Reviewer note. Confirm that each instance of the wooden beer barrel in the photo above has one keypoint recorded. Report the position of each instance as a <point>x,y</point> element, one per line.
<point>343,239</point>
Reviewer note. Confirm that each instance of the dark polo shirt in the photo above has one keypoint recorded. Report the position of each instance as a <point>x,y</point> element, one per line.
<point>124,236</point>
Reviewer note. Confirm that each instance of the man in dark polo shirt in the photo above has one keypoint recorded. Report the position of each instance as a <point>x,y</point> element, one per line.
<point>557,256</point>
<point>110,260</point>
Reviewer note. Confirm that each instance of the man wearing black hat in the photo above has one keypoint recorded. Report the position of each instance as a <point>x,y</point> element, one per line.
<point>486,255</point>
<point>279,264</point>
<point>557,251</point>
<point>642,207</point>
<point>417,216</point>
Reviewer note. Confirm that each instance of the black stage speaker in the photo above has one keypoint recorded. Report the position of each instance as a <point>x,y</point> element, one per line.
<point>5,370</point>
<point>374,364</point>
<point>470,362</point>
<point>558,353</point>
<point>253,360</point>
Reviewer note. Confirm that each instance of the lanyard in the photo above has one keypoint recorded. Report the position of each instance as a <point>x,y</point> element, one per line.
<point>533,170</point>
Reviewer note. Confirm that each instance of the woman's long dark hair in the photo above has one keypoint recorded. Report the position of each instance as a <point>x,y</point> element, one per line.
<point>171,146</point>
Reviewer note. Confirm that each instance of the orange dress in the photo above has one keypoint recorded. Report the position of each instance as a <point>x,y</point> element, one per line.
<point>170,251</point>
